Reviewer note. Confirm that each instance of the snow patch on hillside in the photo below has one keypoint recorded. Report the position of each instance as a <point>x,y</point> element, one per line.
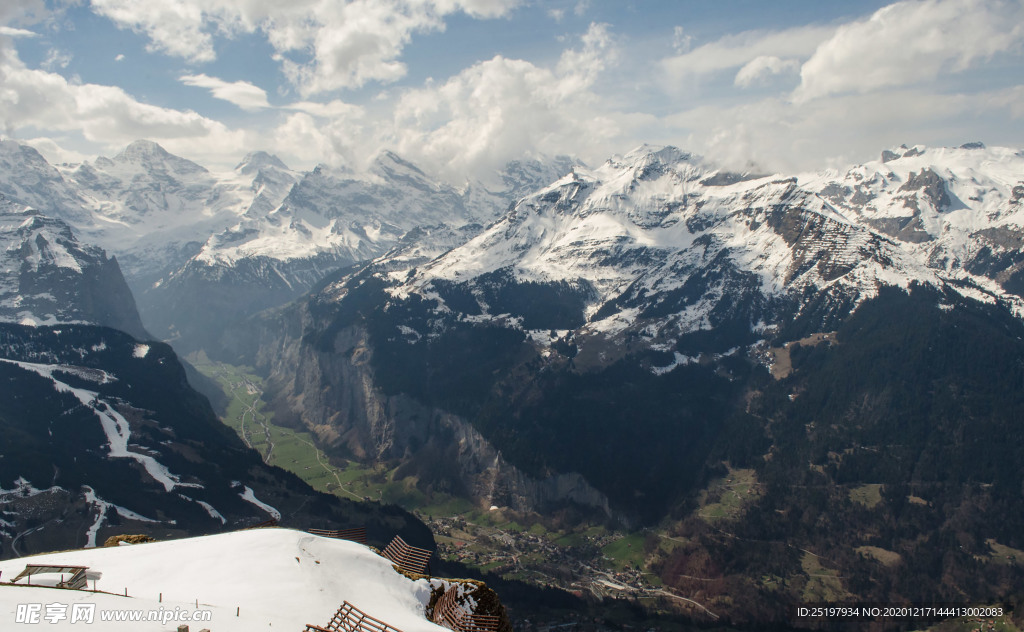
<point>103,507</point>
<point>249,496</point>
<point>115,426</point>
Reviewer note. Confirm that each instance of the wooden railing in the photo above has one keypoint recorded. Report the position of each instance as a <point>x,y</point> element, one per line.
<point>357,534</point>
<point>348,618</point>
<point>448,613</point>
<point>409,559</point>
<point>76,581</point>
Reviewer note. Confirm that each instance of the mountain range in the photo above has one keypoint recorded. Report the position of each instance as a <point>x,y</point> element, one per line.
<point>201,249</point>
<point>615,338</point>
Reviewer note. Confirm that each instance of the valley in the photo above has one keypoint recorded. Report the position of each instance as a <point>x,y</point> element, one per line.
<point>588,557</point>
<point>584,558</point>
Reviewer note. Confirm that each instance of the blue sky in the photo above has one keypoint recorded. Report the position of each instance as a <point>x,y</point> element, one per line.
<point>461,86</point>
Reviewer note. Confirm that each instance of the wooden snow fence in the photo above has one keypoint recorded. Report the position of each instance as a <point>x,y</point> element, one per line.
<point>348,618</point>
<point>357,534</point>
<point>409,559</point>
<point>448,613</point>
<point>76,581</point>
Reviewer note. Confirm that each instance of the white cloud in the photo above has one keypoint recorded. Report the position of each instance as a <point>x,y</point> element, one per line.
<point>120,57</point>
<point>105,116</point>
<point>322,45</point>
<point>338,140</point>
<point>54,152</point>
<point>777,134</point>
<point>336,133</point>
<point>910,43</point>
<point>29,11</point>
<point>736,51</point>
<point>503,108</point>
<point>241,93</point>
<point>8,31</point>
<point>556,14</point>
<point>172,27</point>
<point>580,68</point>
<point>333,109</point>
<point>681,42</point>
<point>56,59</point>
<point>760,69</point>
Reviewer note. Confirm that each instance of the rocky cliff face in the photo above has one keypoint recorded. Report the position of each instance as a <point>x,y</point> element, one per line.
<point>331,390</point>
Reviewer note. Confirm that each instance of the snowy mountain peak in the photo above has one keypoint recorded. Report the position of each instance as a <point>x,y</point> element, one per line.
<point>523,177</point>
<point>31,180</point>
<point>259,160</point>
<point>395,169</point>
<point>12,151</point>
<point>153,157</point>
<point>654,154</point>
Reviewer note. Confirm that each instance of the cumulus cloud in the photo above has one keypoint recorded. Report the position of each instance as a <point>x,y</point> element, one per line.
<point>909,43</point>
<point>760,69</point>
<point>241,93</point>
<point>501,108</point>
<point>322,45</point>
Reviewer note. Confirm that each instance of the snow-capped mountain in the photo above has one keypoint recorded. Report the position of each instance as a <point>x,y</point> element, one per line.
<point>151,209</point>
<point>155,210</point>
<point>960,211</point>
<point>47,276</point>
<point>651,242</point>
<point>27,178</point>
<point>359,216</point>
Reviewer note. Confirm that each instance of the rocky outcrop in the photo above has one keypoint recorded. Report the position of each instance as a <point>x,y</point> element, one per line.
<point>47,276</point>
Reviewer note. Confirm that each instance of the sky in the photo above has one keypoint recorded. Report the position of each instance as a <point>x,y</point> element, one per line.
<point>460,87</point>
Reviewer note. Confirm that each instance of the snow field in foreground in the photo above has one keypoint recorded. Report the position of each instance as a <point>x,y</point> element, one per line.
<point>277,579</point>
